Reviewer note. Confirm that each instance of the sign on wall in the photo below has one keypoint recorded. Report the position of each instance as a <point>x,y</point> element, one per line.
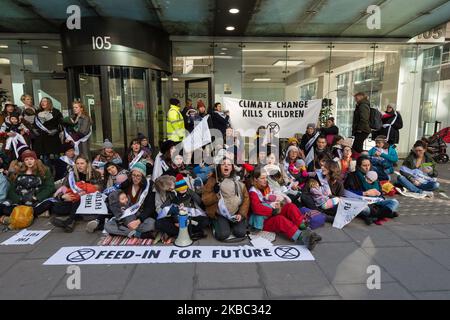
<point>286,117</point>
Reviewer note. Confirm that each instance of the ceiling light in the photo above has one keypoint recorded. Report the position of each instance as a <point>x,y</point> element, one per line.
<point>289,63</point>
<point>59,51</point>
<point>261,79</point>
<point>164,79</point>
<point>230,28</point>
<point>175,79</point>
<point>4,61</point>
<point>233,10</point>
<point>44,47</point>
<point>59,64</point>
<point>3,46</point>
<point>222,53</point>
<point>224,49</point>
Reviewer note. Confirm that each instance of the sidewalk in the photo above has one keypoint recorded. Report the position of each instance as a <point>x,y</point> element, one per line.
<point>412,252</point>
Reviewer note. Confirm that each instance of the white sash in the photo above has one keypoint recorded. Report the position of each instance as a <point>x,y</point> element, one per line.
<point>192,212</point>
<point>41,126</point>
<point>67,160</point>
<point>98,164</point>
<point>311,141</point>
<point>77,143</point>
<point>13,141</point>
<point>72,184</point>
<point>136,159</point>
<point>390,126</point>
<point>135,207</point>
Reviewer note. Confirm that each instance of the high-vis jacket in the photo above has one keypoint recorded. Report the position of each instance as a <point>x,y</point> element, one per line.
<point>175,124</point>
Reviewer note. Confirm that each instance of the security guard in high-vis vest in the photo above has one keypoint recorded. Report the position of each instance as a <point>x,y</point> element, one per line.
<point>175,122</point>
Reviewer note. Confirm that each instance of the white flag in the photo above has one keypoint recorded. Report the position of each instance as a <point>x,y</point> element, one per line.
<point>309,156</point>
<point>347,210</point>
<point>349,194</point>
<point>199,137</point>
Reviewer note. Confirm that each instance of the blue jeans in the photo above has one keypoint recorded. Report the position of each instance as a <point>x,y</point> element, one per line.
<point>392,204</point>
<point>428,186</point>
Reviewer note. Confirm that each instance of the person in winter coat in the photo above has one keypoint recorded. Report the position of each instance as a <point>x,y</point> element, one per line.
<point>330,131</point>
<point>346,164</point>
<point>202,112</point>
<point>383,158</point>
<point>357,183</point>
<point>422,182</point>
<point>226,190</point>
<point>47,127</point>
<point>106,155</point>
<point>392,123</point>
<point>114,175</point>
<point>171,197</point>
<point>220,120</point>
<point>82,180</point>
<point>30,185</point>
<point>141,223</point>
<point>65,163</point>
<point>136,153</point>
<point>9,108</point>
<point>308,139</point>
<point>269,213</point>
<point>361,117</point>
<point>78,127</point>
<point>15,133</point>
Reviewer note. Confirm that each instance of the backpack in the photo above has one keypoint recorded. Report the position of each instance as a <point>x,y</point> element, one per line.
<point>375,122</point>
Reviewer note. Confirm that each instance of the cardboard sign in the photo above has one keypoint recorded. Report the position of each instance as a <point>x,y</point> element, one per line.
<point>93,203</point>
<point>26,237</point>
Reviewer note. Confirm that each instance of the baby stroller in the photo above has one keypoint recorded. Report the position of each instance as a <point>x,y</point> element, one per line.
<point>437,145</point>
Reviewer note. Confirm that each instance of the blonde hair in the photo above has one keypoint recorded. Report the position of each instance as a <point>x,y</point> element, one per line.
<point>22,97</point>
<point>90,173</point>
<point>312,183</point>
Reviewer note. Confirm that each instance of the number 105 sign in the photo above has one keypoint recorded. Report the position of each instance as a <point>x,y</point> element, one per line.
<point>100,43</point>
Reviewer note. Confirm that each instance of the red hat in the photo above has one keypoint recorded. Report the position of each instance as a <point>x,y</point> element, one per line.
<point>28,154</point>
<point>248,167</point>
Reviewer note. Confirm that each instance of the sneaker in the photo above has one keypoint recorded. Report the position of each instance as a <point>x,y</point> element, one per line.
<point>66,224</point>
<point>92,226</point>
<point>428,194</point>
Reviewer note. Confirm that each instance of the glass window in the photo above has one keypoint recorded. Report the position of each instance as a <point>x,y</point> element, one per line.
<point>192,58</point>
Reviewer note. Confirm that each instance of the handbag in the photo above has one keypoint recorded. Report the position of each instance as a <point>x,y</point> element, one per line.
<point>314,218</point>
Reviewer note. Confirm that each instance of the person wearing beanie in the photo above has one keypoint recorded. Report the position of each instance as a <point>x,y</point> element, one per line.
<point>31,184</point>
<point>141,224</point>
<point>106,155</point>
<point>66,162</point>
<point>383,158</point>
<point>15,133</point>
<point>309,138</point>
<point>392,123</point>
<point>169,202</point>
<point>175,122</point>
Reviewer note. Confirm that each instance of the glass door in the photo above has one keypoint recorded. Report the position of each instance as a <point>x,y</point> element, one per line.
<point>199,89</point>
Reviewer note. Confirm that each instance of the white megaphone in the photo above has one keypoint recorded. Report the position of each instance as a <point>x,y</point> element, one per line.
<point>183,239</point>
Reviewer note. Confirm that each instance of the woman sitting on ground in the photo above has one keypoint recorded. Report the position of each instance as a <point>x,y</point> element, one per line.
<point>137,154</point>
<point>140,223</point>
<point>418,173</point>
<point>82,180</point>
<point>106,155</point>
<point>271,213</point>
<point>173,195</point>
<point>357,183</point>
<point>224,195</point>
<point>383,158</point>
<point>31,184</point>
<point>114,175</point>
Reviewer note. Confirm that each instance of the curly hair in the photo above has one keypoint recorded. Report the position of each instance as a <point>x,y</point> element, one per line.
<point>39,169</point>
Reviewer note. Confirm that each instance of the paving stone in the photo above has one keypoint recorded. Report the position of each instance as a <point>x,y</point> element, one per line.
<point>230,294</point>
<point>374,236</point>
<point>52,242</point>
<point>444,228</point>
<point>412,232</point>
<point>29,279</point>
<point>330,234</point>
<point>412,268</point>
<point>226,275</point>
<point>295,279</point>
<point>433,295</point>
<point>161,281</point>
<point>388,291</point>
<point>98,280</point>
<point>8,260</point>
<point>437,249</point>
<point>345,263</point>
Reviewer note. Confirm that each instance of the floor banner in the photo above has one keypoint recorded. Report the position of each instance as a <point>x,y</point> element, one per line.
<point>159,254</point>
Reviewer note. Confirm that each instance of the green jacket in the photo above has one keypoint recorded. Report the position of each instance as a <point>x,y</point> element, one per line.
<point>46,190</point>
<point>410,162</point>
<point>361,117</point>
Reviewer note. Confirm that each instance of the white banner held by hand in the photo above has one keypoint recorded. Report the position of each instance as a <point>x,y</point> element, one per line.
<point>347,210</point>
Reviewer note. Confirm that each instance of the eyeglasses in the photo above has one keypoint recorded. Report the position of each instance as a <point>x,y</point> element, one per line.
<point>136,175</point>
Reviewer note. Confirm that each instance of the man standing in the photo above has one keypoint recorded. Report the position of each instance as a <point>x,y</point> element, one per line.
<point>175,122</point>
<point>361,116</point>
<point>188,115</point>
